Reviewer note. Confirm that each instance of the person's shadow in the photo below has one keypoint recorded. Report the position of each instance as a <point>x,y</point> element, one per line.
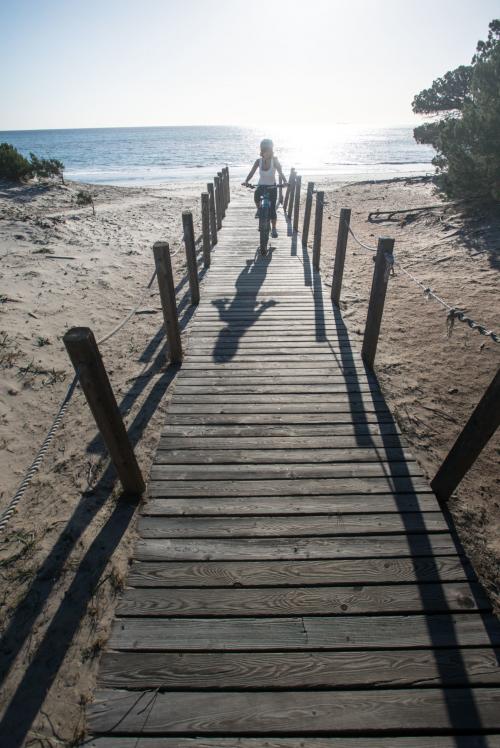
<point>243,310</point>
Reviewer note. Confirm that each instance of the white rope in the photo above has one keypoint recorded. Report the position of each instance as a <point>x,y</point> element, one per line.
<point>35,465</point>
<point>453,312</point>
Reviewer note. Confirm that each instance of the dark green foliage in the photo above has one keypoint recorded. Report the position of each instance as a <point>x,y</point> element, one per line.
<point>16,168</point>
<point>447,93</point>
<point>83,197</point>
<point>46,167</point>
<point>13,166</point>
<point>467,134</point>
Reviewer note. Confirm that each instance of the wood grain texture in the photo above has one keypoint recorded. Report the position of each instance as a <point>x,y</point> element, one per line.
<point>285,505</point>
<point>268,741</point>
<point>257,670</point>
<point>302,711</point>
<point>307,526</point>
<point>304,601</point>
<point>294,573</point>
<point>285,487</point>
<point>252,549</point>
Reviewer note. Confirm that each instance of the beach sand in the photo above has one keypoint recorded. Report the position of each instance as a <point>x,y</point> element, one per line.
<point>64,555</point>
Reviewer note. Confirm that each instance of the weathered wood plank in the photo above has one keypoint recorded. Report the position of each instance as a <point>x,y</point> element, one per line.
<point>384,546</point>
<point>307,399</point>
<point>273,419</point>
<point>286,471</point>
<point>430,741</point>
<point>277,487</point>
<point>296,712</point>
<point>283,505</point>
<point>256,670</point>
<point>351,406</point>
<point>314,632</point>
<point>304,601</point>
<point>285,573</point>
<point>197,456</point>
<point>301,525</point>
<point>388,446</point>
<point>389,432</point>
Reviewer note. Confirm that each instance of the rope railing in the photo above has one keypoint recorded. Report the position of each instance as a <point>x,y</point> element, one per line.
<point>453,313</point>
<point>486,417</point>
<point>222,197</point>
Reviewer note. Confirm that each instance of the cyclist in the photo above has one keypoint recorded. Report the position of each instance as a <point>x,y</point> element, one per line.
<point>267,165</point>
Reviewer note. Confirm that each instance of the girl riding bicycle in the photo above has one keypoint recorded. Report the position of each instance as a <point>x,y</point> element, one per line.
<point>267,165</point>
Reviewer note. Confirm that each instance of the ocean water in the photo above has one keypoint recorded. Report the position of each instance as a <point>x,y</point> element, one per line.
<point>156,155</point>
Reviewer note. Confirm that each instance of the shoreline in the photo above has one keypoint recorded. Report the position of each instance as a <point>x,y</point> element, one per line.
<point>63,266</point>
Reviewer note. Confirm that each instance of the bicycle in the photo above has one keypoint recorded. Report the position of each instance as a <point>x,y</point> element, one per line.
<point>264,214</point>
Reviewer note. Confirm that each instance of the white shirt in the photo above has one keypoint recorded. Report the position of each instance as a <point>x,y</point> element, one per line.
<point>267,176</point>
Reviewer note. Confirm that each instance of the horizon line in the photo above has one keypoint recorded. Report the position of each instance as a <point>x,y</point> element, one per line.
<point>243,127</point>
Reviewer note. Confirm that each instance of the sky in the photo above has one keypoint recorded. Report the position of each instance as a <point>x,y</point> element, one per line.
<point>112,63</point>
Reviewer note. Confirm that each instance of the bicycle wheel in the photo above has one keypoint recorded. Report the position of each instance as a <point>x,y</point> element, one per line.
<point>264,228</point>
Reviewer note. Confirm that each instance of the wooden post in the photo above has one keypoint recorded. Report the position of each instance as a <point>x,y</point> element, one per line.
<point>225,171</point>
<point>318,228</point>
<point>205,228</point>
<point>478,430</point>
<point>288,187</point>
<point>307,213</point>
<point>376,303</point>
<point>218,199</point>
<point>228,186</point>
<point>296,207</point>
<point>291,196</point>
<point>86,358</point>
<point>166,287</point>
<point>338,268</point>
<point>187,225</point>
<point>213,216</point>
<point>222,195</point>
<point>222,177</point>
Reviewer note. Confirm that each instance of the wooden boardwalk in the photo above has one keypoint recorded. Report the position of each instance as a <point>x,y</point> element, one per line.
<point>295,582</point>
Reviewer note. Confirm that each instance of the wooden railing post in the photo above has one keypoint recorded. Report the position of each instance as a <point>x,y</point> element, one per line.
<point>194,286</point>
<point>307,213</point>
<point>222,195</point>
<point>228,185</point>
<point>218,202</point>
<point>318,228</point>
<point>205,228</point>
<point>377,298</point>
<point>338,268</point>
<point>291,196</point>
<point>86,358</point>
<point>296,207</point>
<point>166,287</point>
<point>478,430</point>
<point>213,216</point>
<point>288,188</point>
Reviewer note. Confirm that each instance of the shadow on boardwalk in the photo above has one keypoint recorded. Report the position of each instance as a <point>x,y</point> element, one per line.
<point>243,310</point>
<point>441,629</point>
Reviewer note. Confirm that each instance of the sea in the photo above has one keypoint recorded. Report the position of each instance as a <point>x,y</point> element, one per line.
<point>153,156</point>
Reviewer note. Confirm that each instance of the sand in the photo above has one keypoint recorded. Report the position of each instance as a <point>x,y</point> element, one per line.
<point>65,553</point>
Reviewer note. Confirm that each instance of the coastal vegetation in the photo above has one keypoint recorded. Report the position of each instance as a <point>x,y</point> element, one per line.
<point>84,197</point>
<point>465,103</point>
<point>14,167</point>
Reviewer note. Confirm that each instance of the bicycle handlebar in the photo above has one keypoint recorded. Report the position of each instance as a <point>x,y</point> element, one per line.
<point>269,186</point>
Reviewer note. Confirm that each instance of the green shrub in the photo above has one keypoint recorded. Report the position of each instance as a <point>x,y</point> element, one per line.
<point>13,166</point>
<point>466,133</point>
<point>84,197</point>
<point>47,167</point>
